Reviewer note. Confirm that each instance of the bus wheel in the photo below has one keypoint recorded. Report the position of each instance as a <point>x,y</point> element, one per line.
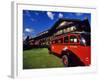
<point>65,60</point>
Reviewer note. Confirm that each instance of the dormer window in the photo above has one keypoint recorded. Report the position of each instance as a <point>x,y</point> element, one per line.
<point>63,23</point>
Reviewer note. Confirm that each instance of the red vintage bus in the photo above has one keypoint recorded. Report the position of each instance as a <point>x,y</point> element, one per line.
<point>73,48</point>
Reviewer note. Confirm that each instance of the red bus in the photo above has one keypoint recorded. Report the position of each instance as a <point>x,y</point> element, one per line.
<point>73,48</point>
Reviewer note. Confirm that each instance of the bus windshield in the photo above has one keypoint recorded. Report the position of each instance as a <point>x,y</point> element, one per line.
<point>85,39</point>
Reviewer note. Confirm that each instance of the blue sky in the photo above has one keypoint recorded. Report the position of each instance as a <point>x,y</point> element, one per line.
<point>35,22</point>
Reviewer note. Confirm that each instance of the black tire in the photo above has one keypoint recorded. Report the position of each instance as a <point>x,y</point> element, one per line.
<point>65,60</point>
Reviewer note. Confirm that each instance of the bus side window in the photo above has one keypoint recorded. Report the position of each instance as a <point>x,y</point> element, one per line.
<point>73,39</point>
<point>60,40</point>
<point>66,39</point>
<point>54,41</point>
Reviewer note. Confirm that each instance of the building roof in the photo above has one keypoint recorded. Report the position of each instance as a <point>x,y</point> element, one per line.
<point>57,23</point>
<point>64,19</point>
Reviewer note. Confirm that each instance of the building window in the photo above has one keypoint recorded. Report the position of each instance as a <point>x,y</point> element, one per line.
<point>73,28</point>
<point>63,23</point>
<point>59,32</point>
<point>69,29</point>
<point>65,30</point>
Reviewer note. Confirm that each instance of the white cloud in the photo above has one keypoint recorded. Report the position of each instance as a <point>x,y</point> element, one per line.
<point>60,15</point>
<point>29,30</point>
<point>79,14</point>
<point>50,15</point>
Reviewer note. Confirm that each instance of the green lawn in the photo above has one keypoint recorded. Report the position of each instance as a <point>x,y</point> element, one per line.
<point>40,58</point>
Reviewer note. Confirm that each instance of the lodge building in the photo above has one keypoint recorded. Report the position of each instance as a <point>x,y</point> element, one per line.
<point>62,26</point>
